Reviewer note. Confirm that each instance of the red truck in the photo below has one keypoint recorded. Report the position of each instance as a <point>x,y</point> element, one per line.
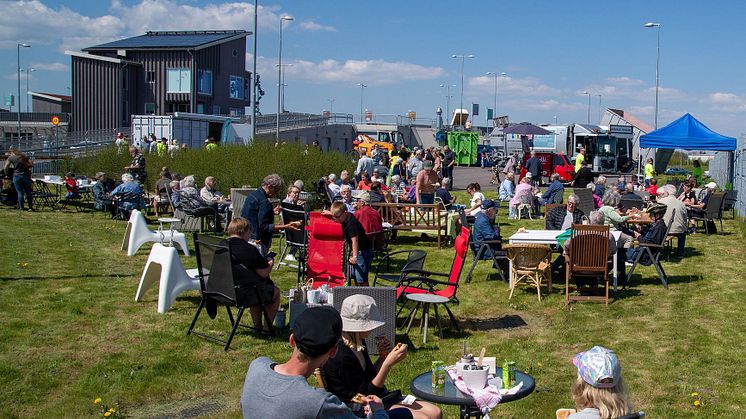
<point>551,163</point>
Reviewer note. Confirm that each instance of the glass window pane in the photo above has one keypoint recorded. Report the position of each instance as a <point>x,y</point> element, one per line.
<point>173,81</point>
<point>186,80</point>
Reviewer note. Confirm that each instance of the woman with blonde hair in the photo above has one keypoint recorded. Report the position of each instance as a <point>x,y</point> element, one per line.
<point>599,391</point>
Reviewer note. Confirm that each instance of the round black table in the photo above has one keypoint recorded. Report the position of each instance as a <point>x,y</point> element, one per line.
<point>422,387</point>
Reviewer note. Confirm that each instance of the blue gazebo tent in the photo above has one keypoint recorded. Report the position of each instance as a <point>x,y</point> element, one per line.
<point>687,133</point>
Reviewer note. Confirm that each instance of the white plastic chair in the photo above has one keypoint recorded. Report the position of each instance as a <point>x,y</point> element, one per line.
<point>138,233</point>
<point>164,266</point>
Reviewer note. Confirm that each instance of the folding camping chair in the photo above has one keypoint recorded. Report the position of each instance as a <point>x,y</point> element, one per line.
<point>292,238</point>
<point>652,253</point>
<point>324,261</point>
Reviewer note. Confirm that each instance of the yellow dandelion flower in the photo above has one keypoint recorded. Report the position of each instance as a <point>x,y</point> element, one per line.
<point>97,401</point>
<point>107,414</point>
<point>695,394</point>
<point>697,403</point>
<point>111,409</point>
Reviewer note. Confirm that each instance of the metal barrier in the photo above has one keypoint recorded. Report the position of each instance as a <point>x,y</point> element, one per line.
<point>729,167</point>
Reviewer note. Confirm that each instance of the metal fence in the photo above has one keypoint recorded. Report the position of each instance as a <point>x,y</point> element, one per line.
<point>729,169</point>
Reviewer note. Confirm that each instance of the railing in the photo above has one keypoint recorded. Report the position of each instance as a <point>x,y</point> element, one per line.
<point>395,119</point>
<point>35,117</point>
<point>293,120</point>
<point>68,144</point>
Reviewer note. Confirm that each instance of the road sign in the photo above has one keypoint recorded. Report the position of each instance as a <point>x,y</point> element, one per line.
<point>9,100</point>
<point>55,120</point>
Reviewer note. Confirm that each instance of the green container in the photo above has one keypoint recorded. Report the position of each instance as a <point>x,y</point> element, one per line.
<point>508,374</point>
<point>464,146</point>
<point>439,374</point>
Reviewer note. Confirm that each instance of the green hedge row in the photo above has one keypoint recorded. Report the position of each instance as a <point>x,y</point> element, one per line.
<point>233,165</point>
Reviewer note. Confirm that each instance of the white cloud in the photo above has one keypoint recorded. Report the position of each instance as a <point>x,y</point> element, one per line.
<point>624,81</point>
<point>51,66</point>
<point>313,26</point>
<point>36,23</point>
<point>371,72</point>
<point>528,86</point>
<point>726,102</point>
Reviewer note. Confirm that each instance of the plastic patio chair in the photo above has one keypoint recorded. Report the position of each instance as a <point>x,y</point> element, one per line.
<point>137,233</point>
<point>164,266</point>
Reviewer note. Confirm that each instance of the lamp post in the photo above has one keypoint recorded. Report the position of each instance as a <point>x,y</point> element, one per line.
<point>331,105</point>
<point>555,119</point>
<point>463,59</point>
<point>495,75</point>
<point>599,108</point>
<point>448,99</point>
<point>589,106</point>
<point>362,86</point>
<point>27,70</point>
<point>282,83</point>
<point>657,64</point>
<point>18,48</point>
<point>279,76</point>
<point>253,76</point>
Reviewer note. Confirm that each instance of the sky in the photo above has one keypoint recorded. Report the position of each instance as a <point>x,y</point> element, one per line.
<point>550,51</point>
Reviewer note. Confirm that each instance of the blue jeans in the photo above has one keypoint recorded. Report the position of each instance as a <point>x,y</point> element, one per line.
<point>360,270</point>
<point>23,186</point>
<point>427,198</point>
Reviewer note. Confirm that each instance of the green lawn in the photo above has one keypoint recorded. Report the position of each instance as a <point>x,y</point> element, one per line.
<point>70,330</point>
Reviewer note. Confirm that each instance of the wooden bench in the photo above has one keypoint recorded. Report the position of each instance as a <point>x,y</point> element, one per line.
<point>411,217</point>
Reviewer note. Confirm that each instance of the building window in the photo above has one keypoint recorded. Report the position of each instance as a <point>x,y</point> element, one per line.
<point>150,108</point>
<point>179,80</point>
<point>236,112</point>
<point>200,108</point>
<point>150,76</point>
<point>246,93</point>
<point>236,86</point>
<point>204,82</point>
<point>216,110</point>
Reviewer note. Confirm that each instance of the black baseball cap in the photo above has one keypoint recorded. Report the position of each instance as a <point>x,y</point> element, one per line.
<point>317,330</point>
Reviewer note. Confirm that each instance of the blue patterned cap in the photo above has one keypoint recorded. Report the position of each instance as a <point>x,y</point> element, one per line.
<point>598,367</point>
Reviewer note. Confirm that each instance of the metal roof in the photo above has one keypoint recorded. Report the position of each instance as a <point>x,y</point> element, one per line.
<point>171,40</point>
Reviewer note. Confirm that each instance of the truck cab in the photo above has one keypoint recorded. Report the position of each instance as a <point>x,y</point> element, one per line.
<point>551,163</point>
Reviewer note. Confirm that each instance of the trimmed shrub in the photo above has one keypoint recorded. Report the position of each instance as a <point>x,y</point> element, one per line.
<point>233,165</point>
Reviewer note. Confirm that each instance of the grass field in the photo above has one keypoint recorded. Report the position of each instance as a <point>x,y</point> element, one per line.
<point>70,330</point>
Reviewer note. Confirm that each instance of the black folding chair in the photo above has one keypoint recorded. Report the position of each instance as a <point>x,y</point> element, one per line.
<point>216,280</point>
<point>42,196</point>
<point>292,238</point>
<point>653,252</point>
<point>393,274</point>
<point>498,255</point>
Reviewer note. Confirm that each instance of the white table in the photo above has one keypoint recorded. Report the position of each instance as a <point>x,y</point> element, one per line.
<point>425,300</point>
<point>550,237</point>
<point>170,221</point>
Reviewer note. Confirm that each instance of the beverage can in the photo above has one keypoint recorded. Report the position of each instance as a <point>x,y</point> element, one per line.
<point>438,374</point>
<point>508,374</point>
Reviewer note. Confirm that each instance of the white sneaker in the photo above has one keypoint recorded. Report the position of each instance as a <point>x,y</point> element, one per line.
<point>290,258</point>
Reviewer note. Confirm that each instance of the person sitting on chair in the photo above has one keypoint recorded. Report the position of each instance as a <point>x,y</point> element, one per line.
<point>507,188</point>
<point>376,192</point>
<point>190,200</point>
<point>71,184</point>
<point>345,195</point>
<point>523,195</point>
<point>553,194</point>
<point>102,200</point>
<point>352,371</point>
<point>273,390</point>
<point>370,219</point>
<point>584,176</point>
<point>483,230</point>
<point>445,196</point>
<point>128,195</point>
<point>655,233</point>
<point>560,218</point>
<point>250,268</point>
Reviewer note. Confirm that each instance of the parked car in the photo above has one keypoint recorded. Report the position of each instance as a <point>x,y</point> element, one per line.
<point>677,171</point>
<point>551,163</point>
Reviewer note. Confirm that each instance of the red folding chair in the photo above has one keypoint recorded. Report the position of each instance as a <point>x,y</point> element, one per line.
<point>324,261</point>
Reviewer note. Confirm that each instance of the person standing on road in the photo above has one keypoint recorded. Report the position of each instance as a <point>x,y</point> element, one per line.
<point>579,159</point>
<point>449,159</point>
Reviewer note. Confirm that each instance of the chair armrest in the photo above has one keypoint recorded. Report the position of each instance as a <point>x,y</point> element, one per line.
<point>428,283</point>
<point>387,259</point>
<point>424,273</point>
<point>650,245</point>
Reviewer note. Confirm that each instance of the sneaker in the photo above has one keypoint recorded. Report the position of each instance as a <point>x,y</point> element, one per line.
<point>290,258</point>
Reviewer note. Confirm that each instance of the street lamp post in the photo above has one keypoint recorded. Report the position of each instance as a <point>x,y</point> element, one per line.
<point>362,86</point>
<point>279,76</point>
<point>448,100</point>
<point>589,106</point>
<point>28,71</point>
<point>331,105</point>
<point>599,108</point>
<point>657,64</point>
<point>18,48</point>
<point>282,83</point>
<point>463,59</point>
<point>253,76</point>
<point>495,75</point>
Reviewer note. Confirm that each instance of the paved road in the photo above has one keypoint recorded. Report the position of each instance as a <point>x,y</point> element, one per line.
<point>464,175</point>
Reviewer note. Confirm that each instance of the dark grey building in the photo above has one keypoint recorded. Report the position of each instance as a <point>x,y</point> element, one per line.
<point>50,103</point>
<point>160,73</point>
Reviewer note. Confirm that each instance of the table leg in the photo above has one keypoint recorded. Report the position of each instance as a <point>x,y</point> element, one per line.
<point>425,315</point>
<point>616,274</point>
<point>467,412</point>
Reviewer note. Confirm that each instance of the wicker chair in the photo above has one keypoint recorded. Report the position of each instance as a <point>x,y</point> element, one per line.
<point>532,263</point>
<point>587,256</point>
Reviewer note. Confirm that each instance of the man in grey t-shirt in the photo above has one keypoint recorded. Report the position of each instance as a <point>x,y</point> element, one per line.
<point>273,390</point>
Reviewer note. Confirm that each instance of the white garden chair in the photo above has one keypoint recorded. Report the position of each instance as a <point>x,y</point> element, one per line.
<point>164,266</point>
<point>138,233</point>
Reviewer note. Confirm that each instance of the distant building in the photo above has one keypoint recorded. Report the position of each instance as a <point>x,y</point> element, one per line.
<point>50,103</point>
<point>159,73</point>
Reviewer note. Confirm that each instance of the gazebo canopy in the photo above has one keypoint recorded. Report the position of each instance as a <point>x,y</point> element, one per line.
<point>687,133</point>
